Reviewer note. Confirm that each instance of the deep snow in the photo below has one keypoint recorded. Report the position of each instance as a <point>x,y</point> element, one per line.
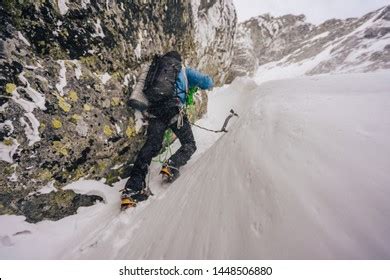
<point>302,173</point>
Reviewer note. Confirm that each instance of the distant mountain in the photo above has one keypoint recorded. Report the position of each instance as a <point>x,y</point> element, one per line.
<point>351,45</point>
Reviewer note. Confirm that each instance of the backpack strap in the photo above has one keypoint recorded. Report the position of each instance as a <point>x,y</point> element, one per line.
<point>183,67</point>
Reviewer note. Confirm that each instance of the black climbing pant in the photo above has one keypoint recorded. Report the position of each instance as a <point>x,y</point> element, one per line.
<point>153,145</point>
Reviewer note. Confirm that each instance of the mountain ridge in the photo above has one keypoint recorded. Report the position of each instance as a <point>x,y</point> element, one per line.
<point>290,39</point>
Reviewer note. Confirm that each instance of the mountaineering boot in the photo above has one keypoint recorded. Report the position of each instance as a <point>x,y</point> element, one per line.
<point>130,197</point>
<point>126,200</point>
<point>169,172</point>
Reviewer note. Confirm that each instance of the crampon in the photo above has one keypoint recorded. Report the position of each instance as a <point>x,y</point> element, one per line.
<point>130,199</point>
<point>169,173</point>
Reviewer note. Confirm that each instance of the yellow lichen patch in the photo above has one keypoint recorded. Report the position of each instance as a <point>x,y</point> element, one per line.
<point>8,170</point>
<point>130,131</point>
<point>65,106</point>
<point>75,118</point>
<point>90,61</point>
<point>79,174</point>
<point>56,52</point>
<point>115,101</point>
<point>56,123</point>
<point>10,88</point>
<point>60,148</point>
<point>8,142</point>
<point>45,175</point>
<point>64,198</point>
<point>73,96</point>
<point>107,130</point>
<point>41,127</point>
<point>116,75</point>
<point>64,32</point>
<point>101,166</point>
<point>87,107</point>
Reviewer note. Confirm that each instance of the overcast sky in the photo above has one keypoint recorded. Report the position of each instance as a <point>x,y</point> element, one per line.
<point>316,11</point>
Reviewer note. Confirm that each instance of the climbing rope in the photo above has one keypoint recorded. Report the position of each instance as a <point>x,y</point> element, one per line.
<point>223,129</point>
<point>147,187</point>
<point>167,137</point>
<point>207,129</point>
<point>180,118</point>
<point>168,152</point>
<point>167,148</point>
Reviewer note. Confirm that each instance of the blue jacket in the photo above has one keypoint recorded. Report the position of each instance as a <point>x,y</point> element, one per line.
<point>195,79</point>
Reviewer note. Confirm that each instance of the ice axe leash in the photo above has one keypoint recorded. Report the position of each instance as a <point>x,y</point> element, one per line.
<point>223,129</point>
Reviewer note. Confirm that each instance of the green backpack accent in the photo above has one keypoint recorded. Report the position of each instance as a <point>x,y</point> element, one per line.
<point>190,95</point>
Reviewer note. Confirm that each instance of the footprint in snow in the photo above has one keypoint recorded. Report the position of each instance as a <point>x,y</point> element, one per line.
<point>6,241</point>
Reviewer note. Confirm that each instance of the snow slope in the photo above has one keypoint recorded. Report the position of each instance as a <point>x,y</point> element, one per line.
<point>303,173</point>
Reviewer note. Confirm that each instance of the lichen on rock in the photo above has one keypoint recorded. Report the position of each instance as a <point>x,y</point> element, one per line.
<point>10,88</point>
<point>56,123</point>
<point>107,131</point>
<point>87,107</point>
<point>73,96</point>
<point>65,106</point>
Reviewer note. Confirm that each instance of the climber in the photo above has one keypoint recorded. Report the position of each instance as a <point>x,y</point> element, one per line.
<point>165,84</point>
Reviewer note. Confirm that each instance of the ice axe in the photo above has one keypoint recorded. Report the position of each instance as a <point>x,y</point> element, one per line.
<point>232,114</point>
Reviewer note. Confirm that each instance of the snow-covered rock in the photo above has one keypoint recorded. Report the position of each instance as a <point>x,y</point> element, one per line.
<point>68,68</point>
<point>215,27</point>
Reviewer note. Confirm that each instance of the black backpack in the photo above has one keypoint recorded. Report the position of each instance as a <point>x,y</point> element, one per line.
<point>161,78</point>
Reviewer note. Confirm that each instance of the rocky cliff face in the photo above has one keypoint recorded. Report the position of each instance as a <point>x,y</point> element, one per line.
<point>215,28</point>
<point>356,44</point>
<point>67,68</point>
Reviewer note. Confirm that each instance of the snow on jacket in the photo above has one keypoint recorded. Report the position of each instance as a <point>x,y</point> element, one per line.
<point>195,79</point>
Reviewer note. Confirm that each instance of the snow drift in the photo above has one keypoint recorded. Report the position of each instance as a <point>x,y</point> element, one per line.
<point>303,173</point>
